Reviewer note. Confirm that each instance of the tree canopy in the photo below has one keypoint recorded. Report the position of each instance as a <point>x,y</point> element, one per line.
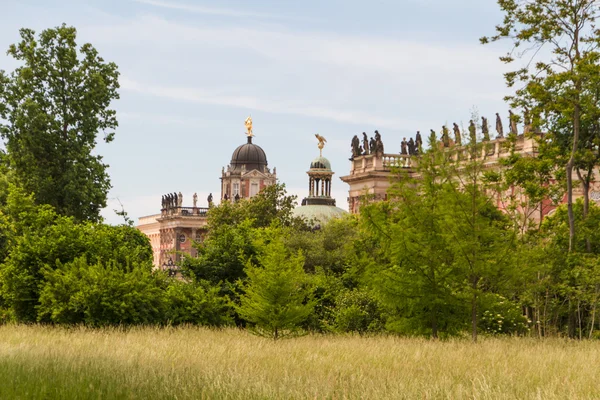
<point>54,106</point>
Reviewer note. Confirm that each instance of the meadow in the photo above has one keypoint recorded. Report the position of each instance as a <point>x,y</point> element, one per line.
<point>193,363</point>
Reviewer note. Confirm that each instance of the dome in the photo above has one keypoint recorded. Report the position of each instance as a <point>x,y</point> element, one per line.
<point>320,163</point>
<point>318,214</point>
<point>250,155</point>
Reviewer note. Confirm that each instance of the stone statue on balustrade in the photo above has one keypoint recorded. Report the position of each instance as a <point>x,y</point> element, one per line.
<point>162,203</point>
<point>210,199</point>
<point>419,140</point>
<point>237,197</point>
<point>195,199</point>
<point>445,136</point>
<point>355,147</point>
<point>412,147</point>
<point>499,127</point>
<point>526,120</point>
<point>180,200</point>
<point>485,129</point>
<point>472,132</point>
<point>513,123</point>
<point>457,136</point>
<point>378,144</point>
<point>404,147</point>
<point>372,147</point>
<point>365,144</point>
<point>226,197</point>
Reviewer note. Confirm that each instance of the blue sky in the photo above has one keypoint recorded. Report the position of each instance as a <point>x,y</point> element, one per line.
<point>192,71</point>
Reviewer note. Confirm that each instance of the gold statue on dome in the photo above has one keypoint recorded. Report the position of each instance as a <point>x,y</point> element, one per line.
<point>321,144</point>
<point>248,124</point>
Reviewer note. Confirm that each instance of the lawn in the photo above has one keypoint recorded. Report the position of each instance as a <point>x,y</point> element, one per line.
<point>191,363</point>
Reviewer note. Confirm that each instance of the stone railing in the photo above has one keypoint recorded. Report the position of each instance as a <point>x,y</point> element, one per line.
<point>491,151</point>
<point>185,211</point>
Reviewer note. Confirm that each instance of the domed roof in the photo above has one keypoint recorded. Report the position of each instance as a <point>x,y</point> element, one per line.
<point>320,163</point>
<point>318,214</point>
<point>250,155</point>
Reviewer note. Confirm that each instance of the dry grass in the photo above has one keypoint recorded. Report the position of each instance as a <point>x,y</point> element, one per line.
<point>186,363</point>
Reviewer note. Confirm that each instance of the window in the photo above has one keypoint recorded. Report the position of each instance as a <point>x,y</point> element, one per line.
<point>236,189</point>
<point>253,189</point>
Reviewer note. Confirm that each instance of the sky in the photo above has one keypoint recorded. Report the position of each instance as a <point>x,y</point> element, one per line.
<point>192,71</point>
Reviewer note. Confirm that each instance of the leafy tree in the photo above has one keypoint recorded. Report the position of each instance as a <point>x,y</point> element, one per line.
<point>191,302</point>
<point>231,230</point>
<point>222,256</point>
<point>39,239</point>
<point>101,294</point>
<point>559,86</point>
<point>277,295</point>
<point>419,280</point>
<point>330,248</point>
<point>573,279</point>
<point>271,204</point>
<point>53,106</point>
<point>358,311</point>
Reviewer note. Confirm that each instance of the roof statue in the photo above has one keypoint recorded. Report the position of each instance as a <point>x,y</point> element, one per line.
<point>457,136</point>
<point>248,124</point>
<point>485,129</point>
<point>356,151</point>
<point>499,127</point>
<point>513,123</point>
<point>321,144</point>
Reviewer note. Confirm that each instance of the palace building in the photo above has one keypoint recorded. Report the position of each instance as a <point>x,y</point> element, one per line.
<point>173,231</point>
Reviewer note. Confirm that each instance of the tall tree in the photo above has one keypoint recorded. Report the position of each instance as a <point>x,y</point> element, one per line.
<point>54,106</point>
<point>278,297</point>
<point>562,35</point>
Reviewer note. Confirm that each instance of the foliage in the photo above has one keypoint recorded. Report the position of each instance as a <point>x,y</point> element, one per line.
<point>196,303</point>
<point>40,239</point>
<point>330,248</point>
<point>101,294</point>
<point>277,295</point>
<point>358,311</point>
<point>221,257</point>
<point>271,204</point>
<point>561,85</point>
<point>53,106</point>
<point>501,316</point>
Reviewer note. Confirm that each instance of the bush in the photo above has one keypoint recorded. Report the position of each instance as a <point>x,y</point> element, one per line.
<point>502,316</point>
<point>102,294</point>
<point>358,311</point>
<point>197,303</point>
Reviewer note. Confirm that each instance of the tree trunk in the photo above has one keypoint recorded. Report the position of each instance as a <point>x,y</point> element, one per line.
<point>594,311</point>
<point>474,313</point>
<point>571,320</point>
<point>434,325</point>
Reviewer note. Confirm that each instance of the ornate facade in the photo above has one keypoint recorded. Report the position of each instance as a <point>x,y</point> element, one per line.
<point>247,173</point>
<point>173,232</point>
<point>319,206</point>
<point>371,175</point>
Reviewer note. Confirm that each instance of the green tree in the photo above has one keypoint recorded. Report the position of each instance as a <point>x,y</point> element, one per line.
<point>101,294</point>
<point>192,302</point>
<point>231,230</point>
<point>40,239</point>
<point>52,108</point>
<point>277,294</point>
<point>556,84</point>
<point>419,280</point>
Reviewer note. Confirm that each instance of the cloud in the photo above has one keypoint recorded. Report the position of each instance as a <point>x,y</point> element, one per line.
<point>202,96</point>
<point>224,12</point>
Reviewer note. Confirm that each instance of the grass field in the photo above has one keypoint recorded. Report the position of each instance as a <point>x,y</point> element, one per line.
<point>193,363</point>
